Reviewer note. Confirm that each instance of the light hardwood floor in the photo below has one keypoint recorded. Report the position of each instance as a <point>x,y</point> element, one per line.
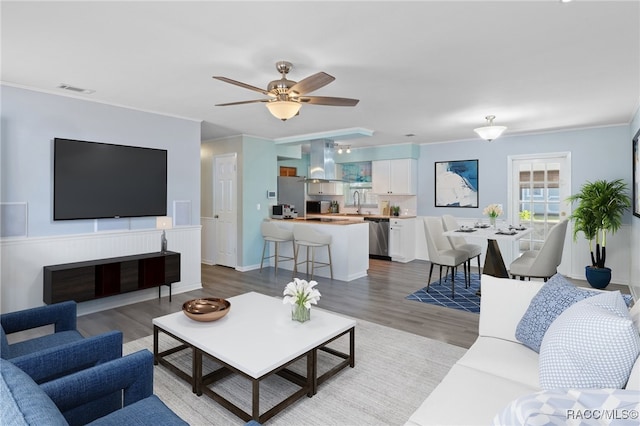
<point>378,297</point>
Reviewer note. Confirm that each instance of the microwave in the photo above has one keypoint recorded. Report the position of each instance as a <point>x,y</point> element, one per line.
<point>283,211</point>
<point>317,207</point>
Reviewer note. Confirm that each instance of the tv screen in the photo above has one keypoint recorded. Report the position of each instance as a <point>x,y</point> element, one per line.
<point>93,180</point>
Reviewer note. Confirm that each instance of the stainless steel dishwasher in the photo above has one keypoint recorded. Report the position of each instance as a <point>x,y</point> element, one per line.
<point>378,238</point>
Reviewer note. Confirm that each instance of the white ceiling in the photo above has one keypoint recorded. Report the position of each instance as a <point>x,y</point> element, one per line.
<point>430,68</point>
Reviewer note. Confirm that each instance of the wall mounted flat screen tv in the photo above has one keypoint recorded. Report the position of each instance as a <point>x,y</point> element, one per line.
<point>93,180</point>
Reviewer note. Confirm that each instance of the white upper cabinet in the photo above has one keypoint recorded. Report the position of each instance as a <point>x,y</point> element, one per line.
<point>394,177</point>
<point>326,188</point>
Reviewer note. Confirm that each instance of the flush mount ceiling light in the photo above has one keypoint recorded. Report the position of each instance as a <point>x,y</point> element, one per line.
<point>490,132</point>
<point>284,110</point>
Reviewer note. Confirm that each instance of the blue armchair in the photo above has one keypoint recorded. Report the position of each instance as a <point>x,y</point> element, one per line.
<point>123,387</point>
<point>61,315</point>
<point>57,354</point>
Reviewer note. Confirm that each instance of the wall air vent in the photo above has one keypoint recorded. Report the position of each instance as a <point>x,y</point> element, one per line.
<point>75,89</point>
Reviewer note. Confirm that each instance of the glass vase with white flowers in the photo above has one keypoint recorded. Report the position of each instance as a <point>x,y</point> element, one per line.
<point>301,295</point>
<point>493,211</point>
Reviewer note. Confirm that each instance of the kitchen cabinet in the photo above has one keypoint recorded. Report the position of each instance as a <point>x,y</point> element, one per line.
<point>402,239</point>
<point>394,177</point>
<point>325,188</point>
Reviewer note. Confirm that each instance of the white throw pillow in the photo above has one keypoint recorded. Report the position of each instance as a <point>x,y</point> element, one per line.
<point>592,344</point>
<point>634,377</point>
<point>634,312</point>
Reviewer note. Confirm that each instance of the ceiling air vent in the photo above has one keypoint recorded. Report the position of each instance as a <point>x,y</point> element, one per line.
<point>75,89</point>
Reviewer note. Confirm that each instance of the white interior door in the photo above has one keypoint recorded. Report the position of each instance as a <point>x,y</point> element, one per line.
<point>539,187</point>
<point>225,209</point>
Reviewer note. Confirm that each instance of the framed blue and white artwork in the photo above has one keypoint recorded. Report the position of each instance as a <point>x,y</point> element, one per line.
<point>456,183</point>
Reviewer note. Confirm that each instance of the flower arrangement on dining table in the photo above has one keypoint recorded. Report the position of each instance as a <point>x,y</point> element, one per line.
<point>493,211</point>
<point>301,294</point>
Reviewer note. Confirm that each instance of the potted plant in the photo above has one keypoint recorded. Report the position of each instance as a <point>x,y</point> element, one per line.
<point>601,205</point>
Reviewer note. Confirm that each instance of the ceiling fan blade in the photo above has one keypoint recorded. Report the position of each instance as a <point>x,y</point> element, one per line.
<point>325,100</point>
<point>311,83</point>
<point>243,102</point>
<point>245,85</point>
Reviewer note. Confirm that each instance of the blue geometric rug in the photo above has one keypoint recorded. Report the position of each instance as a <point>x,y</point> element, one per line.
<point>465,300</point>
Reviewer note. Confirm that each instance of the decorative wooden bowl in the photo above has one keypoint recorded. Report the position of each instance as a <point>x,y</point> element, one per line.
<point>206,309</point>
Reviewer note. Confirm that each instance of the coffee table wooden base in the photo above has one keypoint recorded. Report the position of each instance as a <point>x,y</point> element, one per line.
<point>200,383</point>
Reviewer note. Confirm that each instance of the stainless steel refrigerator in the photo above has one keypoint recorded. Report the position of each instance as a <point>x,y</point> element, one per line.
<point>291,190</point>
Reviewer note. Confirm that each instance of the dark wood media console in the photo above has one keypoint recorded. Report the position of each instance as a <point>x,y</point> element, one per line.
<point>94,279</point>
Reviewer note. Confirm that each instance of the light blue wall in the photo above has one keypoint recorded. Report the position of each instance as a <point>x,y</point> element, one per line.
<point>30,122</point>
<point>259,174</point>
<point>257,171</point>
<point>598,153</point>
<point>390,152</point>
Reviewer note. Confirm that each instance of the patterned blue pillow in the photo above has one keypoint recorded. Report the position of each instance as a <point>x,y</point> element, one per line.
<point>553,298</point>
<point>593,344</point>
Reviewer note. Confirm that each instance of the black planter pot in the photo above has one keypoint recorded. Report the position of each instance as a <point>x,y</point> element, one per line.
<point>598,277</point>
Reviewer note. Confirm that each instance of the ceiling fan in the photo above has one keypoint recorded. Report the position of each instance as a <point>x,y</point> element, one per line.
<point>285,97</point>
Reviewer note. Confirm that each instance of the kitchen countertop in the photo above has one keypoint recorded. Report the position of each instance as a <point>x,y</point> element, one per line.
<point>339,218</point>
<point>322,220</point>
<point>356,217</point>
<point>349,246</point>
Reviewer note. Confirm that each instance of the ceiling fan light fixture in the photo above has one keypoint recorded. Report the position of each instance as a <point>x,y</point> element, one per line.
<point>490,132</point>
<point>283,110</point>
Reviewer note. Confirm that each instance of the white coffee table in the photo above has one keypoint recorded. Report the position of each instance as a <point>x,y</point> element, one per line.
<point>256,339</point>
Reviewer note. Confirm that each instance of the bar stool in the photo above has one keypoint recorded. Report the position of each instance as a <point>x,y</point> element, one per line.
<point>271,232</point>
<point>311,239</point>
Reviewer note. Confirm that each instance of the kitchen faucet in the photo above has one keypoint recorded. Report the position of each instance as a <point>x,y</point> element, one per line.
<point>358,202</point>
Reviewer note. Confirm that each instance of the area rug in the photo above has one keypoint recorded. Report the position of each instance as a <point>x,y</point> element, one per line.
<point>465,298</point>
<point>394,372</point>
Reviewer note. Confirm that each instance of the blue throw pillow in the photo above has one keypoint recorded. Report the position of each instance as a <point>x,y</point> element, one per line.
<point>553,298</point>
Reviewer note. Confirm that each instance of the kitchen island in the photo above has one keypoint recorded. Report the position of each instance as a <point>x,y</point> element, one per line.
<point>349,247</point>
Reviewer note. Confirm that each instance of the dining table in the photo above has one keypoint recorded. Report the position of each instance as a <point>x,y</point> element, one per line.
<point>493,261</point>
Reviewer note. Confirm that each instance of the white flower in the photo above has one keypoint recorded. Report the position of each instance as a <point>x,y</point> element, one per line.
<point>301,292</point>
<point>493,210</point>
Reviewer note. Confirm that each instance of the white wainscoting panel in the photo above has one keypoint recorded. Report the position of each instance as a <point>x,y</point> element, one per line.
<point>22,262</point>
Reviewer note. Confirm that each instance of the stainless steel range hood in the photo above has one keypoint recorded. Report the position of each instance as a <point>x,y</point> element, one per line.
<point>322,166</point>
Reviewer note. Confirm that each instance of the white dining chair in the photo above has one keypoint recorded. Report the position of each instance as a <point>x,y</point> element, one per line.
<point>441,253</point>
<point>473,250</point>
<point>542,263</point>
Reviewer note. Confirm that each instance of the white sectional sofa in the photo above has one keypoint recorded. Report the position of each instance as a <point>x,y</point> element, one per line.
<point>497,369</point>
